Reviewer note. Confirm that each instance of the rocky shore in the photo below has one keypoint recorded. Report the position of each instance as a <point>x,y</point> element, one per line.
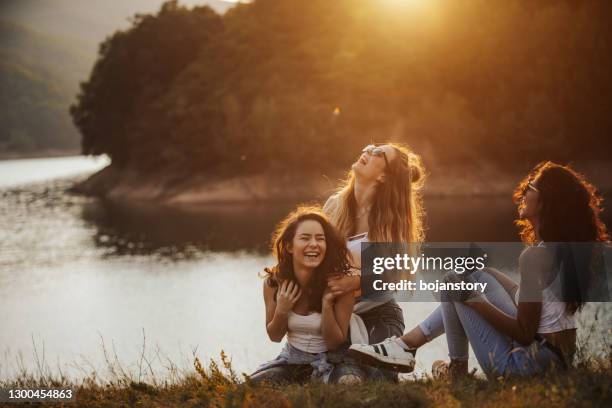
<point>167,188</point>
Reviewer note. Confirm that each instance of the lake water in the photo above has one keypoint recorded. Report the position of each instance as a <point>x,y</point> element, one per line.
<point>80,277</point>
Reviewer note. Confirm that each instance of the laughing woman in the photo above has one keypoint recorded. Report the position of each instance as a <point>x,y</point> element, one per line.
<point>299,305</point>
<point>526,328</point>
<point>380,201</point>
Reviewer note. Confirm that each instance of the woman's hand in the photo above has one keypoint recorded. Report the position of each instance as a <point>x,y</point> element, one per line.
<point>456,295</point>
<point>340,285</point>
<point>288,293</point>
<point>329,297</point>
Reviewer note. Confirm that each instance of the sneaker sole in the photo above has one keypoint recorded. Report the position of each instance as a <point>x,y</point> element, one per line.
<point>373,361</point>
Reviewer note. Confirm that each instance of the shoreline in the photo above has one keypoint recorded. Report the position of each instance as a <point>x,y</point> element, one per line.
<point>45,154</point>
<point>172,189</point>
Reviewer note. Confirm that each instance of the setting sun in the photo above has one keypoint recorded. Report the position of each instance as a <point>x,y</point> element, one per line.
<point>405,4</point>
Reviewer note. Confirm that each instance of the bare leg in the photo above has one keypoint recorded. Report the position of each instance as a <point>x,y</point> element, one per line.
<point>415,338</point>
<point>430,328</point>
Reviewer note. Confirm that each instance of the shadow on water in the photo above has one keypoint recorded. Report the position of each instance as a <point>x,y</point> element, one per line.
<point>479,218</point>
<point>185,232</point>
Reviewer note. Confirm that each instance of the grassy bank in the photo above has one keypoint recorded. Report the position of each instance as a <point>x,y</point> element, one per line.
<point>588,384</point>
<point>581,388</point>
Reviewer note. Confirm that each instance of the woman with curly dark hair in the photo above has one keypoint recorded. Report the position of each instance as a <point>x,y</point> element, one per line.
<point>525,328</point>
<point>538,332</point>
<point>557,204</point>
<point>308,251</point>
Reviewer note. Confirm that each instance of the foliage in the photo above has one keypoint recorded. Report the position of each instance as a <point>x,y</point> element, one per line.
<point>300,85</point>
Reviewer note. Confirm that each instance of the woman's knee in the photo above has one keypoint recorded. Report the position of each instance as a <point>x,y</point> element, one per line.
<point>384,329</point>
<point>269,375</point>
<point>386,321</point>
<point>279,375</point>
<point>347,373</point>
<point>483,275</point>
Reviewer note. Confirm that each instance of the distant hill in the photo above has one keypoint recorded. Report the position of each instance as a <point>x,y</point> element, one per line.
<point>87,22</point>
<point>38,76</point>
<point>46,49</point>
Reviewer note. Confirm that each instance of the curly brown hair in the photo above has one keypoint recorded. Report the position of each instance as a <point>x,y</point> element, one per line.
<point>570,213</point>
<point>571,207</point>
<point>335,262</point>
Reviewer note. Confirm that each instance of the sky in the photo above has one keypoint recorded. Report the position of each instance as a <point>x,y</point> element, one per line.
<point>87,22</point>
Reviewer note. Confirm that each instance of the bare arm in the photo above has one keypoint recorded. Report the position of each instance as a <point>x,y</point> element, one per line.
<point>336,314</point>
<point>330,205</point>
<point>276,313</point>
<point>524,327</point>
<point>344,284</point>
<point>520,329</point>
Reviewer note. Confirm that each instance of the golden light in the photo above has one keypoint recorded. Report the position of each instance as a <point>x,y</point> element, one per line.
<point>426,13</point>
<point>413,7</point>
<point>404,4</point>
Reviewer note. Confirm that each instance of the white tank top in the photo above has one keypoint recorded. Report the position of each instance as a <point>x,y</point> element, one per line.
<point>554,317</point>
<point>304,332</point>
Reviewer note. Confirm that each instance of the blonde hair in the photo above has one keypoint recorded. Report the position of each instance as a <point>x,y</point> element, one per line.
<point>397,209</point>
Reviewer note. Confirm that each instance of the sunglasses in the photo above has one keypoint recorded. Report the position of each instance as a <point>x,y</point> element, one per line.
<point>376,151</point>
<point>532,187</point>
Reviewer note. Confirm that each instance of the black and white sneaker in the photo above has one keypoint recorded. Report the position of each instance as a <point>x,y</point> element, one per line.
<point>386,354</point>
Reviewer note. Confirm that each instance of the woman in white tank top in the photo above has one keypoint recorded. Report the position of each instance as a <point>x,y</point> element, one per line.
<point>298,303</point>
<point>526,330</point>
<point>556,205</point>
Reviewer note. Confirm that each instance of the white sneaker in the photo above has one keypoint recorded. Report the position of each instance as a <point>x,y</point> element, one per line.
<point>386,354</point>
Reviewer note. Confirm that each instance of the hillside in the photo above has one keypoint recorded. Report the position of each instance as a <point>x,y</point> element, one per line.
<point>38,78</point>
<point>46,50</point>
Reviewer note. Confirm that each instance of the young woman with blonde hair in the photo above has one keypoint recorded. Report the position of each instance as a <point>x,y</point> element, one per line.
<point>380,201</point>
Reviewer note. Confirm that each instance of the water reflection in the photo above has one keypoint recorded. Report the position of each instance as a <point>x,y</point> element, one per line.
<point>188,231</point>
<point>461,219</point>
<point>182,232</point>
<point>37,215</point>
<point>181,274</point>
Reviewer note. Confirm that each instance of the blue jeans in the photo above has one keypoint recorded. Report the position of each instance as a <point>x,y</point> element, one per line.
<point>496,353</point>
<point>381,322</point>
<point>296,366</point>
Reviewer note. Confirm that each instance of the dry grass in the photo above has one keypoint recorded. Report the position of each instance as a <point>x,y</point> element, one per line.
<point>216,384</point>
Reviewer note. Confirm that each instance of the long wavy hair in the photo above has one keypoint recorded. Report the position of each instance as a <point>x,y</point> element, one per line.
<point>335,261</point>
<point>570,206</point>
<point>570,212</point>
<point>397,211</point>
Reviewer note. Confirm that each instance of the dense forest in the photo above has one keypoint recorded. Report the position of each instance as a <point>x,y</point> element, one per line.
<point>298,85</point>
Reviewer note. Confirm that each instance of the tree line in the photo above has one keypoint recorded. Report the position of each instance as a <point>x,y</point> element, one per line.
<point>300,85</point>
